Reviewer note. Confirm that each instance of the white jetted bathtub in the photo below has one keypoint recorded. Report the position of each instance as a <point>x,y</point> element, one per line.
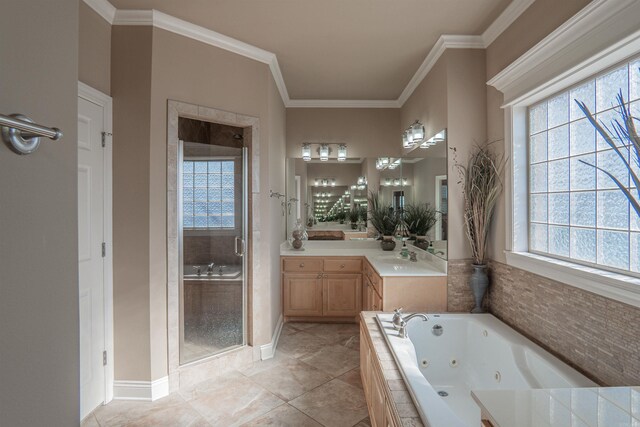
<point>473,352</point>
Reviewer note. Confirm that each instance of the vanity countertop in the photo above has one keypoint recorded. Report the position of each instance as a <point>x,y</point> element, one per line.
<point>592,407</point>
<point>386,263</point>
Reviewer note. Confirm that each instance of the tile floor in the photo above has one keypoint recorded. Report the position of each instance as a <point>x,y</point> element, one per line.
<point>314,380</point>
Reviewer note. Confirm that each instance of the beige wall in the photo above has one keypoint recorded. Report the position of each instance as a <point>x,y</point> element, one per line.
<point>94,45</point>
<point>131,91</point>
<point>452,96</point>
<point>368,132</point>
<point>39,366</point>
<point>162,66</point>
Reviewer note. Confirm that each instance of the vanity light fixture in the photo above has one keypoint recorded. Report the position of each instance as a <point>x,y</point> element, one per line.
<point>353,187</point>
<point>324,152</point>
<point>333,182</point>
<point>325,182</point>
<point>387,181</point>
<point>306,152</point>
<point>417,132</point>
<point>405,181</point>
<point>342,153</point>
<point>396,181</point>
<point>405,140</point>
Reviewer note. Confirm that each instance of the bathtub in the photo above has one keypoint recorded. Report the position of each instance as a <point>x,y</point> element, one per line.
<point>474,352</point>
<point>219,273</point>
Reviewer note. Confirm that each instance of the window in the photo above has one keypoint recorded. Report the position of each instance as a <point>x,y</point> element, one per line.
<point>208,194</point>
<point>576,212</point>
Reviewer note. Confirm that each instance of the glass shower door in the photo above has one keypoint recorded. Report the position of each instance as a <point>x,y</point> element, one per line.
<point>213,217</point>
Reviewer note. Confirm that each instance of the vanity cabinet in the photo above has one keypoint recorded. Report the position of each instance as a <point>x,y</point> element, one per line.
<point>316,288</point>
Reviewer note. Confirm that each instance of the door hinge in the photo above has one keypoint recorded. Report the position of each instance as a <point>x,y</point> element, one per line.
<point>104,249</point>
<point>104,137</point>
<point>104,358</point>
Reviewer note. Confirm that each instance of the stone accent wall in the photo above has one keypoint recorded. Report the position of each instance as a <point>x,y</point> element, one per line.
<point>598,336</point>
<point>459,295</point>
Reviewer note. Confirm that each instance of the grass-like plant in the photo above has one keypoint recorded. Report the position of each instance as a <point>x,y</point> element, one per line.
<point>482,184</point>
<point>382,217</point>
<point>362,213</point>
<point>420,218</point>
<point>353,214</point>
<point>623,130</point>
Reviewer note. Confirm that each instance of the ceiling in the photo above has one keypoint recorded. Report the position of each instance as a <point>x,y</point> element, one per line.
<point>337,49</point>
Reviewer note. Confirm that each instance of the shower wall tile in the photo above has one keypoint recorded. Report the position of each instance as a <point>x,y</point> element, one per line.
<point>206,249</point>
<point>596,335</point>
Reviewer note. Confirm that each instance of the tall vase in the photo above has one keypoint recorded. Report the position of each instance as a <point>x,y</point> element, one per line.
<point>479,284</point>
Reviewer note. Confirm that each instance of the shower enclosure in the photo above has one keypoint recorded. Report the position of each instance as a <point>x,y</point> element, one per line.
<point>212,213</point>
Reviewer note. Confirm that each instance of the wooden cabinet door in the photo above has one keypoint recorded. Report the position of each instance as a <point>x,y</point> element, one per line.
<point>365,365</point>
<point>366,295</point>
<point>378,403</point>
<point>342,294</point>
<point>376,300</point>
<point>302,294</point>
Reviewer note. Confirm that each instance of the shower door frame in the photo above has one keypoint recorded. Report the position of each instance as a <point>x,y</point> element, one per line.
<point>184,375</point>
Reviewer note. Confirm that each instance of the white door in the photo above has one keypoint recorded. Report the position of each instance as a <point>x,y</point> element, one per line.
<point>91,197</point>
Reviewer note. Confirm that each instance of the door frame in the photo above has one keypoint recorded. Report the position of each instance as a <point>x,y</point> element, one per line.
<point>94,96</point>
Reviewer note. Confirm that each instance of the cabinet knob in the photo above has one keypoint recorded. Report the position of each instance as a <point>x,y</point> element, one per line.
<point>342,266</point>
<point>319,276</point>
<point>302,265</point>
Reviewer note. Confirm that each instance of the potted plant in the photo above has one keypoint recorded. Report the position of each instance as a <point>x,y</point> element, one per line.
<point>353,216</point>
<point>363,215</point>
<point>384,220</point>
<point>482,184</point>
<point>341,216</point>
<point>420,218</point>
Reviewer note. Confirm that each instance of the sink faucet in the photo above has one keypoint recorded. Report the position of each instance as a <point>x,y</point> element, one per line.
<point>403,333</point>
<point>197,269</point>
<point>210,268</point>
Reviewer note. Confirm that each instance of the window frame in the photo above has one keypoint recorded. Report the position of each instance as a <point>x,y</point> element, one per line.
<point>514,82</point>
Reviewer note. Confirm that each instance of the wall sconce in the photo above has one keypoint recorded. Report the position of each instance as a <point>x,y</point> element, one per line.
<point>396,181</point>
<point>324,152</point>
<point>342,153</point>
<point>405,140</point>
<point>387,181</point>
<point>354,187</point>
<point>417,130</point>
<point>440,136</point>
<point>306,152</point>
<point>325,182</point>
<point>333,182</point>
<point>362,180</point>
<point>405,181</point>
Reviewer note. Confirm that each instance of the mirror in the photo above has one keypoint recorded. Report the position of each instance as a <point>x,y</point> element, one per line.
<point>322,190</point>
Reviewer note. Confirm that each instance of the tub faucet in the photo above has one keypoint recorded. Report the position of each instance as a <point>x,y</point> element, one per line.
<point>403,333</point>
<point>210,268</point>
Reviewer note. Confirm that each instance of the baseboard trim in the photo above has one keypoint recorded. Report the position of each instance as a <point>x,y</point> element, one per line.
<point>141,390</point>
<point>267,351</point>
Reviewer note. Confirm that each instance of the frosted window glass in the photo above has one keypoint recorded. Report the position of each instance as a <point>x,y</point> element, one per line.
<point>613,210</point>
<point>200,194</point>
<point>215,194</point>
<point>227,180</point>
<point>205,185</point>
<point>215,180</point>
<point>538,207</point>
<point>188,167</point>
<point>583,137</point>
<point>583,176</point>
<point>227,221</point>
<point>611,161</point>
<point>559,240</point>
<point>538,148</point>
<point>538,237</point>
<point>613,249</point>
<point>583,209</point>
<point>634,80</point>
<point>583,244</point>
<point>200,180</point>
<point>227,167</point>
<point>200,221</point>
<point>607,119</point>
<point>538,118</point>
<point>585,93</point>
<point>200,208</point>
<point>538,182</point>
<point>558,142</point>
<point>608,86</point>
<point>559,175</point>
<point>200,167</point>
<point>214,167</point>
<point>559,208</point>
<point>558,110</point>
<point>187,180</point>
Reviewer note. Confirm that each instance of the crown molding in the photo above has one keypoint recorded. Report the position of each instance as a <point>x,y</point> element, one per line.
<point>444,42</point>
<point>184,28</point>
<point>103,8</point>
<point>504,20</point>
<point>342,103</point>
<point>587,21</point>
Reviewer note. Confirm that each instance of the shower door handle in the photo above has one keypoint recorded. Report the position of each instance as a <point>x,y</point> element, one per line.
<point>239,246</point>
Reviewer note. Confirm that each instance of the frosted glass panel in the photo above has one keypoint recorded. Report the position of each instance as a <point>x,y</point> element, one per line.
<point>583,209</point>
<point>607,118</point>
<point>635,252</point>
<point>538,237</point>
<point>585,93</point>
<point>613,210</point>
<point>558,110</point>
<point>559,142</point>
<point>583,176</point>
<point>583,137</point>
<point>538,207</point>
<point>205,185</point>
<point>538,118</point>
<point>634,80</point>
<point>559,208</point>
<point>559,240</point>
<point>611,161</point>
<point>538,147</point>
<point>539,178</point>
<point>613,249</point>
<point>559,175</point>
<point>583,244</point>
<point>608,86</point>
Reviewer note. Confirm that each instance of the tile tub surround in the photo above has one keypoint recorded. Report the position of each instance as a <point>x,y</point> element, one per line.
<point>302,386</point>
<point>596,335</point>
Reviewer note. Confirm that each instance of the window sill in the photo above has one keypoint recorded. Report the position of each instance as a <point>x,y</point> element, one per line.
<point>611,285</point>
